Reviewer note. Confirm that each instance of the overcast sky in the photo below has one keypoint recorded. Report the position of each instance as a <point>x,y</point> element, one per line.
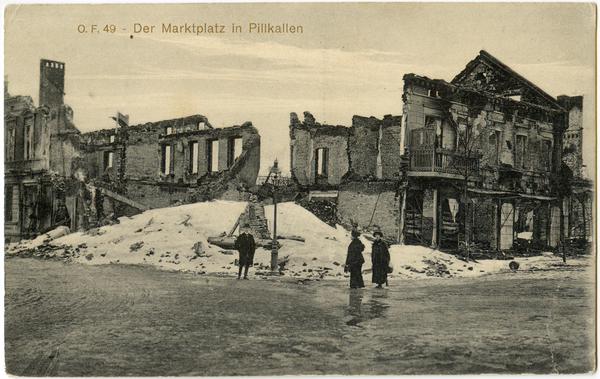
<point>349,59</point>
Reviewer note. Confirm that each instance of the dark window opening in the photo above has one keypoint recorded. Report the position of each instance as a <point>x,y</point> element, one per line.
<point>9,147</point>
<point>8,203</point>
<point>546,154</point>
<point>494,145</point>
<point>234,149</point>
<point>166,160</point>
<point>108,159</point>
<point>520,152</point>
<point>212,155</point>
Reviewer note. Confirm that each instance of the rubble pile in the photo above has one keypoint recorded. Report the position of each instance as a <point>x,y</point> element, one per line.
<point>48,250</point>
<point>323,209</point>
<point>177,239</point>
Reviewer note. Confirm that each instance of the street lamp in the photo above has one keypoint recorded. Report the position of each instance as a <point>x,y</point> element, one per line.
<point>275,176</point>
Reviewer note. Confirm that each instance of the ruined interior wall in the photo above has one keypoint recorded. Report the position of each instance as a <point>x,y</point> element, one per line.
<point>300,153</point>
<point>148,185</point>
<point>361,201</point>
<point>390,147</point>
<point>337,160</point>
<point>142,155</point>
<point>308,136</point>
<point>156,195</point>
<point>363,147</point>
<point>181,152</point>
<point>64,149</point>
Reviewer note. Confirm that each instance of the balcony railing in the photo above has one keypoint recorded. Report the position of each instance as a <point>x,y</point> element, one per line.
<point>440,161</point>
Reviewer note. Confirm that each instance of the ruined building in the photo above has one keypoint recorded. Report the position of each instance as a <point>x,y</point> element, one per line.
<point>579,204</point>
<point>40,144</point>
<point>54,175</point>
<point>479,159</point>
<point>162,163</point>
<point>356,166</point>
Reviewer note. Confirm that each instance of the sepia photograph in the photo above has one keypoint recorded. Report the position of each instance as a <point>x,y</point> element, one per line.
<point>327,188</point>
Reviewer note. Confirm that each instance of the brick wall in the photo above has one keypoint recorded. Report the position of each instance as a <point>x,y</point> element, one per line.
<point>370,204</point>
<point>254,216</point>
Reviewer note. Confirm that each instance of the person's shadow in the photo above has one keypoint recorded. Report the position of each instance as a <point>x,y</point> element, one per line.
<point>355,307</point>
<point>377,304</point>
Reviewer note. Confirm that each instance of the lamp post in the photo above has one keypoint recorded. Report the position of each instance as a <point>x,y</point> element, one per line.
<point>275,175</point>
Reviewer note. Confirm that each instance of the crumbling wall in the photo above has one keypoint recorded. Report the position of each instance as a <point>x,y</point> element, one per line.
<point>138,160</point>
<point>363,148</point>
<point>572,153</point>
<point>390,146</point>
<point>254,217</point>
<point>142,155</point>
<point>155,195</point>
<point>305,139</point>
<point>371,205</point>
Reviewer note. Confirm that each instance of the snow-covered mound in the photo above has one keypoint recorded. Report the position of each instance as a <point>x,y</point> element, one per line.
<point>166,237</point>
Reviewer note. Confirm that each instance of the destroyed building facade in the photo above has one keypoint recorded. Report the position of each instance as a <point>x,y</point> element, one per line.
<point>477,160</point>
<point>159,164</point>
<point>40,145</point>
<point>356,167</point>
<point>54,175</point>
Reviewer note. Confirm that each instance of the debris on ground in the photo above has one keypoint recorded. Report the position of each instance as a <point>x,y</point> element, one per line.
<point>320,256</point>
<point>136,246</point>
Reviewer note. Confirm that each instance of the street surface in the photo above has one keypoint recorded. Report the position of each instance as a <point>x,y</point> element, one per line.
<point>75,320</point>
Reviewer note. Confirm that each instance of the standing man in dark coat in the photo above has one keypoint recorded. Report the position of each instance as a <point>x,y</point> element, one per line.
<point>354,261</point>
<point>246,247</point>
<point>380,257</point>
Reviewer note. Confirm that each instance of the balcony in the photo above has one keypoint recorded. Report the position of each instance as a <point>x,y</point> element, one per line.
<point>442,163</point>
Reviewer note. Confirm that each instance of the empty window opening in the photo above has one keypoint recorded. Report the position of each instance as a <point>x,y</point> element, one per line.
<point>520,151</point>
<point>165,162</point>
<point>321,162</point>
<point>108,159</point>
<point>234,149</point>
<point>169,130</point>
<point>546,154</point>
<point>494,143</point>
<point>9,148</point>
<point>201,125</point>
<point>213,155</point>
<point>112,139</point>
<point>29,138</point>
<point>193,147</point>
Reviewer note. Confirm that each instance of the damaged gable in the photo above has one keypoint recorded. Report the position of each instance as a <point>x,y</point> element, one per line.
<point>485,73</point>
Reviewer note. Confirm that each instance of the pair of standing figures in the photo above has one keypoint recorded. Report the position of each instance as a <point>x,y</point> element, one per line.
<point>380,257</point>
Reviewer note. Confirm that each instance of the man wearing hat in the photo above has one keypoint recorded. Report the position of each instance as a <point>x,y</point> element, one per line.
<point>380,257</point>
<point>245,245</point>
<point>355,260</point>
